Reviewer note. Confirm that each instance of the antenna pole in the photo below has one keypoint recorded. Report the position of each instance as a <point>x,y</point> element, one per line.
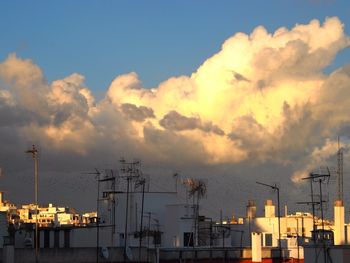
<point>141,223</point>
<point>113,203</point>
<point>340,172</point>
<point>320,178</point>
<point>98,217</point>
<point>34,153</point>
<point>131,171</point>
<point>321,203</point>
<point>222,228</point>
<point>148,233</point>
<point>274,187</point>
<point>279,221</point>
<point>313,212</point>
<point>126,217</point>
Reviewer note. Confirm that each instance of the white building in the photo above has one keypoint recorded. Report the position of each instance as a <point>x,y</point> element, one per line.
<point>295,229</point>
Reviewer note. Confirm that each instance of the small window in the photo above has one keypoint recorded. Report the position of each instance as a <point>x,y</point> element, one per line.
<point>66,238</point>
<point>268,240</point>
<point>188,239</point>
<point>57,239</point>
<point>46,238</point>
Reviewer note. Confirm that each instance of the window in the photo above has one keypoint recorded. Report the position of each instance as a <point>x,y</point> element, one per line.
<point>46,238</point>
<point>66,238</point>
<point>188,239</point>
<point>157,238</point>
<point>57,239</point>
<point>268,240</point>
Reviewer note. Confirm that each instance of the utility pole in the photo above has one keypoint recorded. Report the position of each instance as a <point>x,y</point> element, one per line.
<point>274,187</point>
<point>34,153</point>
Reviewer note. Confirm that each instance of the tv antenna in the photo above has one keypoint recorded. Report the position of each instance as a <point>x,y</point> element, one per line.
<point>130,171</point>
<point>317,178</point>
<point>97,174</point>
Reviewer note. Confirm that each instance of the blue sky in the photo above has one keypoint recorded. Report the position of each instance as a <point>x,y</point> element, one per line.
<point>156,39</point>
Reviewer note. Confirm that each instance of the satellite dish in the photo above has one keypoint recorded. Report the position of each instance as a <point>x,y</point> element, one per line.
<point>128,253</point>
<point>104,252</point>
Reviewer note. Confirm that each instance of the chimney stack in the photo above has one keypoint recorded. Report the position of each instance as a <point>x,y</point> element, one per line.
<point>251,209</point>
<point>256,247</point>
<point>269,208</point>
<point>339,227</point>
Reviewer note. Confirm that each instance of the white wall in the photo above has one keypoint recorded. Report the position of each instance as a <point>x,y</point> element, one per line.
<point>178,219</point>
<point>86,237</point>
<point>154,202</point>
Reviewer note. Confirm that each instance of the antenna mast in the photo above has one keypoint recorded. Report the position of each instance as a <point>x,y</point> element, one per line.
<point>34,153</point>
<point>340,172</point>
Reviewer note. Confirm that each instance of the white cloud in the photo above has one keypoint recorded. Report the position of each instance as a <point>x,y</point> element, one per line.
<point>263,98</point>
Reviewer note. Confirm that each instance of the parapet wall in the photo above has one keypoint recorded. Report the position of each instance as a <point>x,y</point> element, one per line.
<point>76,255</point>
<point>88,255</point>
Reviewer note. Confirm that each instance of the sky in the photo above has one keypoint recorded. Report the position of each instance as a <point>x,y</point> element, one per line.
<point>230,91</point>
<point>156,39</point>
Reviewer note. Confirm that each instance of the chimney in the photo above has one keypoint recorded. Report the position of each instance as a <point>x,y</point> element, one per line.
<point>285,211</point>
<point>269,208</point>
<point>339,227</point>
<point>251,209</point>
<point>256,247</point>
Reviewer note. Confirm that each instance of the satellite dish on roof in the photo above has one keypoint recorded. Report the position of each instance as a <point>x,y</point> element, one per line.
<point>128,253</point>
<point>104,252</point>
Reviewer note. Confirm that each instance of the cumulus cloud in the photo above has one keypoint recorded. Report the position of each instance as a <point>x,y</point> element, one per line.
<point>263,98</point>
<point>137,113</point>
<point>176,122</point>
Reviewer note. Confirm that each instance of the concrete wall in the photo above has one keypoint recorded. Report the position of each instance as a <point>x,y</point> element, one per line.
<point>78,237</point>
<point>214,253</point>
<point>88,255</point>
<point>86,237</point>
<point>76,255</point>
<point>324,254</point>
